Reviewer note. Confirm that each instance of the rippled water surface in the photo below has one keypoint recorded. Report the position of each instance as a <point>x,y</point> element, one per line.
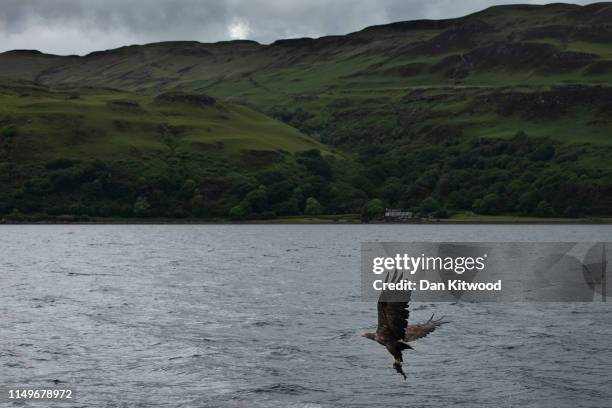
<point>270,316</point>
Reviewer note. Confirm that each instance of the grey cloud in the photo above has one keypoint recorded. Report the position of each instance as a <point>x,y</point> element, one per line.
<point>82,26</point>
<point>137,16</point>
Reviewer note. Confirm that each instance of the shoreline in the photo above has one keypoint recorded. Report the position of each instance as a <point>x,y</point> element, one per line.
<point>322,220</point>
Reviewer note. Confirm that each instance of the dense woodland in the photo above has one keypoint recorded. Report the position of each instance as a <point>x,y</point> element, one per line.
<point>520,175</point>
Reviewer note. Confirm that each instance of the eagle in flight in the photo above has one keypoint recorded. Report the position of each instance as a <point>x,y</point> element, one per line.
<point>393,330</point>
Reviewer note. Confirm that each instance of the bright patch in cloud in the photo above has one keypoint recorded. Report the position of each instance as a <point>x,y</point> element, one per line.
<point>238,29</point>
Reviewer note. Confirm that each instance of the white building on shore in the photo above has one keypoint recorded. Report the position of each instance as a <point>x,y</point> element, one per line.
<point>397,214</point>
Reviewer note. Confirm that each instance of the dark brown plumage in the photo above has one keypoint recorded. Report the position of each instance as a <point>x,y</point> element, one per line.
<point>393,329</point>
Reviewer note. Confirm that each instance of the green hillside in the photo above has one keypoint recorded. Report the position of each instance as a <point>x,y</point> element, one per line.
<point>96,123</point>
<point>505,111</point>
<point>108,153</point>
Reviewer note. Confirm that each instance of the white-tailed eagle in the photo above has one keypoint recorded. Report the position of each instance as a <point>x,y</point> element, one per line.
<point>393,330</point>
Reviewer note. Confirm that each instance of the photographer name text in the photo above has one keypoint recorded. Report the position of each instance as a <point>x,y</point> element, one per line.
<point>426,285</point>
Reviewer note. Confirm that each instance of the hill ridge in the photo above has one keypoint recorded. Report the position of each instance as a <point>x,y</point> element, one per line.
<point>413,24</point>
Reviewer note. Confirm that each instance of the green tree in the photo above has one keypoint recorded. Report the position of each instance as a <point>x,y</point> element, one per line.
<point>257,200</point>
<point>188,190</point>
<point>289,207</point>
<point>141,207</point>
<point>392,189</point>
<point>279,191</point>
<point>487,205</point>
<point>238,212</point>
<point>198,205</point>
<point>373,209</point>
<point>429,205</point>
<point>543,153</point>
<point>313,207</point>
<point>8,132</point>
<point>441,213</point>
<point>543,209</point>
<point>527,202</point>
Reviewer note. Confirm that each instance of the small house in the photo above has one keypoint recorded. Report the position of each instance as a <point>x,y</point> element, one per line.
<point>397,214</point>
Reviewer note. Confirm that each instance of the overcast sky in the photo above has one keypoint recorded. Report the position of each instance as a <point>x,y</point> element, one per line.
<point>82,26</point>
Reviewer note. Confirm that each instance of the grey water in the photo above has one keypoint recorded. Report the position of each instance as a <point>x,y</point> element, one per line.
<point>271,316</point>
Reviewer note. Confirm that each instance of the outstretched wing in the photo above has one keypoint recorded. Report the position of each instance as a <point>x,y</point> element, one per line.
<point>417,331</point>
<point>392,316</point>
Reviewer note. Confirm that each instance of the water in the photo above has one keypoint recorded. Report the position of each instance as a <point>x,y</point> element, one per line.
<point>270,316</point>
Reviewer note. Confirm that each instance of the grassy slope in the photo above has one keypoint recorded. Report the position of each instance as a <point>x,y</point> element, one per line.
<point>105,124</point>
<point>464,59</point>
